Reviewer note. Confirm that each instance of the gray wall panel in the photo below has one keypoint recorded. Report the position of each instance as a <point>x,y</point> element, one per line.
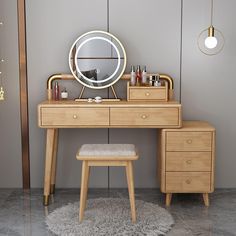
<point>150,32</point>
<point>10,136</point>
<point>52,27</point>
<point>208,84</point>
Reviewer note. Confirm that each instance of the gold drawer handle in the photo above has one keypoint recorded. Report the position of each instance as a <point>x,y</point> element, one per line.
<point>75,116</point>
<point>189,161</point>
<point>144,116</point>
<point>147,94</point>
<point>188,181</point>
<point>189,141</point>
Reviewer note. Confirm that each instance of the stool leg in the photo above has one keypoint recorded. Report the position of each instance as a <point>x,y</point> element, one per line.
<point>130,181</point>
<point>83,189</point>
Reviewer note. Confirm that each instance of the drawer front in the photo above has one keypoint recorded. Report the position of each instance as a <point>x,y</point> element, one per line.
<point>75,116</point>
<point>148,94</point>
<point>187,182</point>
<point>144,117</point>
<point>188,161</point>
<point>189,141</point>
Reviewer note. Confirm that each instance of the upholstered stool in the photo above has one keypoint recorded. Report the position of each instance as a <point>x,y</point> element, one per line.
<point>107,155</point>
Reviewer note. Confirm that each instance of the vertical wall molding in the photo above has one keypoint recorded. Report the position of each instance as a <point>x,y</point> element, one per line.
<point>23,94</point>
<point>181,49</point>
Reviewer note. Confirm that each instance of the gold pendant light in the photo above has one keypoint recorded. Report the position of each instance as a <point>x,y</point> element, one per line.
<point>211,40</point>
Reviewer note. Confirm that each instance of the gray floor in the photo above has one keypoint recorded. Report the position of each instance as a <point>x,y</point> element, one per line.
<point>23,214</point>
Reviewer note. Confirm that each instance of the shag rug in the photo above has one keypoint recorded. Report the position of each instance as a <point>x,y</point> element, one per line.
<point>110,216</point>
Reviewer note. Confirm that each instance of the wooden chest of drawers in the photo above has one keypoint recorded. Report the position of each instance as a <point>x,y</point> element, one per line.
<point>187,159</point>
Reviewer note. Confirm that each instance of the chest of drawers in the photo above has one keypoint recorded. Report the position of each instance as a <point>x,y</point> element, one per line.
<point>187,159</point>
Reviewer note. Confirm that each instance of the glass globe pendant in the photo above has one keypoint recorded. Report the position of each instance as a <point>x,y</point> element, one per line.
<point>211,40</point>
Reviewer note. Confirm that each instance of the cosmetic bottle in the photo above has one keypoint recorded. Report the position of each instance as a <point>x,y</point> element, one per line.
<point>138,76</point>
<point>132,76</point>
<point>56,91</point>
<point>64,94</point>
<point>144,76</point>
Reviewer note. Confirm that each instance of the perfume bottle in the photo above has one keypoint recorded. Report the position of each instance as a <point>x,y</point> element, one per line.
<point>138,76</point>
<point>144,76</point>
<point>56,92</point>
<point>132,76</point>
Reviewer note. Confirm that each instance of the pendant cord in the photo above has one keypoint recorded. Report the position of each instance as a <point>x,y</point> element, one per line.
<point>211,12</point>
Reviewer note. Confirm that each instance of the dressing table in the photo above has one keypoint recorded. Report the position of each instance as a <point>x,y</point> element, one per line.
<point>110,113</point>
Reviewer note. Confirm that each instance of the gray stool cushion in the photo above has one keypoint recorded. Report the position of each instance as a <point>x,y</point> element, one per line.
<point>107,150</point>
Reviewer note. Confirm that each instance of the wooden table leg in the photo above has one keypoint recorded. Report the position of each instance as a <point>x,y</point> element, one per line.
<point>206,199</point>
<point>54,163</point>
<point>48,164</point>
<point>168,199</point>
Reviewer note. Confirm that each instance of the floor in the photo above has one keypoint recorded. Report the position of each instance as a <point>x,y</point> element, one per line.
<point>22,213</point>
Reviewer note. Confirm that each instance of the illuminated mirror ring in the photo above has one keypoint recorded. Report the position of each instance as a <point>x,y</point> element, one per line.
<point>77,52</point>
<point>220,41</point>
<point>104,64</point>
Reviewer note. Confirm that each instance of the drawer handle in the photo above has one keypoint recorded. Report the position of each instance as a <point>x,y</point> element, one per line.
<point>147,94</point>
<point>188,181</point>
<point>75,116</point>
<point>189,141</point>
<point>189,161</point>
<point>144,116</point>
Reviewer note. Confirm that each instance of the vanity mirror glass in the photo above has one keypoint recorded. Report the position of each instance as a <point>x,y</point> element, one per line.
<point>97,59</point>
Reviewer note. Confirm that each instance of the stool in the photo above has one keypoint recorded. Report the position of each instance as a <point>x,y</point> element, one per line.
<point>106,155</point>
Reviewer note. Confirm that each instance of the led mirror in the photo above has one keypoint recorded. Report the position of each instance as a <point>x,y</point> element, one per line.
<point>97,59</point>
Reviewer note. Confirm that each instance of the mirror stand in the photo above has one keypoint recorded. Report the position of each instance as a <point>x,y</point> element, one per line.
<point>106,99</point>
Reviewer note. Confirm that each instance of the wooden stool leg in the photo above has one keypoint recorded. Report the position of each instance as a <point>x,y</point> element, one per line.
<point>206,199</point>
<point>168,199</point>
<point>54,163</point>
<point>86,186</point>
<point>83,189</point>
<point>130,181</point>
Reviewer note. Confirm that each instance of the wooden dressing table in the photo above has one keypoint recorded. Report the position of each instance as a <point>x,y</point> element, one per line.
<point>54,115</point>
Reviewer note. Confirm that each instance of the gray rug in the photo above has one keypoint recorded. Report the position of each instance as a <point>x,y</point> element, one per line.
<point>110,216</point>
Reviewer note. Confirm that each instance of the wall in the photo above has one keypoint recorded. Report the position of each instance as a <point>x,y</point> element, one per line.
<point>151,33</point>
<point>10,136</point>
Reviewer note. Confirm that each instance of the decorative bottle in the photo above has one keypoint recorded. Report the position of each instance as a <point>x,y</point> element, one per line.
<point>132,76</point>
<point>144,76</point>
<point>56,91</point>
<point>138,76</point>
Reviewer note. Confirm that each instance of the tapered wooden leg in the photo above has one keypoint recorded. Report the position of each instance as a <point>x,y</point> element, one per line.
<point>54,163</point>
<point>86,186</point>
<point>168,199</point>
<point>130,180</point>
<point>206,199</point>
<point>83,189</point>
<point>48,164</point>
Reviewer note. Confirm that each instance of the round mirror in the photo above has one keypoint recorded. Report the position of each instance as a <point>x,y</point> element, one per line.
<point>97,59</point>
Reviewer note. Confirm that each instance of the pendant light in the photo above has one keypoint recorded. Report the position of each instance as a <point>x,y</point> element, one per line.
<point>211,40</point>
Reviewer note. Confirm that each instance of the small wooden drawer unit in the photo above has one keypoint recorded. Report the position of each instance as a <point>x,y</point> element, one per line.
<point>147,93</point>
<point>187,159</point>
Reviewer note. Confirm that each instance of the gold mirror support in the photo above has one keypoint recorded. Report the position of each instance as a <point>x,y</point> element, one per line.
<point>124,77</point>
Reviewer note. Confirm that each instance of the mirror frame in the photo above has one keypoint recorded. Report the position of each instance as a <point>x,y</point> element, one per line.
<point>84,77</point>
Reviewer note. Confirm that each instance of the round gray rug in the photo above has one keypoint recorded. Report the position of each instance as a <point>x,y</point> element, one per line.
<point>110,216</point>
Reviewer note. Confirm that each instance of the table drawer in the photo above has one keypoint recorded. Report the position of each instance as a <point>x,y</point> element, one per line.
<point>159,93</point>
<point>144,117</point>
<point>187,182</point>
<point>188,141</point>
<point>188,161</point>
<point>75,116</point>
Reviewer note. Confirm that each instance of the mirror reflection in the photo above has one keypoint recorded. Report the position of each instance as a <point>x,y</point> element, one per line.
<point>97,59</point>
